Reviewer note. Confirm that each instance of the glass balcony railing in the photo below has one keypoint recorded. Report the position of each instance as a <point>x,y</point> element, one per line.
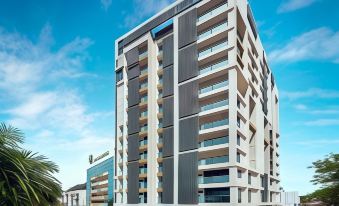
<point>160,66</point>
<point>159,184</point>
<point>142,170</point>
<point>210,125</point>
<point>160,139</point>
<point>161,109</point>
<point>143,156</point>
<point>159,169</point>
<point>143,85</point>
<point>213,198</point>
<point>160,125</point>
<point>143,99</point>
<point>142,184</point>
<point>160,95</point>
<point>213,142</point>
<point>214,160</point>
<point>160,154</point>
<point>213,87</point>
<point>214,105</point>
<point>143,143</point>
<point>218,65</point>
<point>143,55</point>
<point>214,179</point>
<point>215,11</point>
<point>143,129</point>
<point>160,81</point>
<point>144,114</point>
<point>143,71</point>
<point>212,30</point>
<point>213,48</point>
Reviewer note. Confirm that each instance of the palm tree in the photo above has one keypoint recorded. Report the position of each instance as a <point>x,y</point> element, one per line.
<point>26,178</point>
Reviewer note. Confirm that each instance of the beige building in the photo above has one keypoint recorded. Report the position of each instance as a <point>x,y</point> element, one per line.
<point>197,109</point>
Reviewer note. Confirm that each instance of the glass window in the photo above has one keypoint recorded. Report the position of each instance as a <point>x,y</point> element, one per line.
<point>238,157</point>
<point>249,178</point>
<point>239,174</point>
<point>238,140</point>
<point>239,195</point>
<point>249,196</point>
<point>119,75</point>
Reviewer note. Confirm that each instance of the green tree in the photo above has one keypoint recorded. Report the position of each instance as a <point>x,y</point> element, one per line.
<point>327,175</point>
<point>26,178</point>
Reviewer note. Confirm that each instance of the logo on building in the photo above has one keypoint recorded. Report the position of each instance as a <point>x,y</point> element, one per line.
<point>91,160</point>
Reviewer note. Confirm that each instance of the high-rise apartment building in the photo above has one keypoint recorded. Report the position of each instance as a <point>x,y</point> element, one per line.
<point>197,109</point>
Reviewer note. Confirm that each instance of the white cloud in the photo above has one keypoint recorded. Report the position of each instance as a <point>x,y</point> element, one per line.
<point>143,9</point>
<point>106,4</point>
<point>328,110</point>
<point>300,107</point>
<point>319,142</point>
<point>313,93</point>
<point>317,44</point>
<point>39,96</point>
<point>323,122</point>
<point>292,5</point>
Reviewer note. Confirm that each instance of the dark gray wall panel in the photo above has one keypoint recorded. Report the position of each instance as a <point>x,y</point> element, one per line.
<point>133,72</point>
<point>168,54</point>
<point>133,92</point>
<point>188,28</point>
<point>168,142</point>
<point>168,112</point>
<point>168,181</point>
<point>133,183</point>
<point>133,120</point>
<point>188,63</point>
<point>189,99</point>
<point>132,56</point>
<point>168,81</point>
<point>188,178</point>
<point>188,133</point>
<point>133,147</point>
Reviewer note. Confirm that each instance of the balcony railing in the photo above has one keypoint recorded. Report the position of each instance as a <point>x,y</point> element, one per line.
<point>210,125</point>
<point>142,170</point>
<point>214,179</point>
<point>213,198</point>
<point>144,129</point>
<point>213,142</point>
<point>218,65</point>
<point>212,30</point>
<point>143,156</point>
<point>144,99</point>
<point>143,54</point>
<point>142,184</point>
<point>143,85</point>
<point>214,105</point>
<point>214,160</point>
<point>213,87</point>
<point>144,71</point>
<point>215,11</point>
<point>213,48</point>
<point>143,114</point>
<point>143,143</point>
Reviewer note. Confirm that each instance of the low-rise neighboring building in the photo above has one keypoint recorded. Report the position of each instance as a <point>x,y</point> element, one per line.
<point>75,196</point>
<point>100,178</point>
<point>290,198</point>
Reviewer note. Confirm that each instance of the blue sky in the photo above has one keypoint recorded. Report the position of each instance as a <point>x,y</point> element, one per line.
<point>56,76</point>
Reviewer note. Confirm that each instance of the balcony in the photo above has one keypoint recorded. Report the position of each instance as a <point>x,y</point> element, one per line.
<point>214,105</point>
<point>213,87</point>
<point>144,129</point>
<point>217,47</point>
<point>213,67</point>
<point>213,142</point>
<point>212,13</point>
<point>213,198</point>
<point>143,55</point>
<point>210,32</point>
<point>142,170</point>
<point>143,114</point>
<point>143,99</point>
<point>214,160</point>
<point>214,124</point>
<point>214,179</point>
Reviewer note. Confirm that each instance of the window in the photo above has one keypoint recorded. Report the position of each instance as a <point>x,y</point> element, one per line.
<point>239,195</point>
<point>119,75</point>
<point>238,104</point>
<point>249,196</point>
<point>238,122</point>
<point>239,173</point>
<point>238,140</point>
<point>249,178</point>
<point>238,157</point>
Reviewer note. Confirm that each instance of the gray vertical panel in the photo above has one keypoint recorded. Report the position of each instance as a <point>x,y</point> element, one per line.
<point>133,72</point>
<point>133,92</point>
<point>133,147</point>
<point>133,120</point>
<point>188,178</point>
<point>168,82</point>
<point>188,63</point>
<point>168,112</point>
<point>168,142</point>
<point>133,183</point>
<point>189,99</point>
<point>188,28</point>
<point>188,134</point>
<point>132,56</point>
<point>168,53</point>
<point>266,187</point>
<point>168,180</point>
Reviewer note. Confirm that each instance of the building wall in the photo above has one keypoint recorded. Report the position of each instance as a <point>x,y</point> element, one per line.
<point>69,201</point>
<point>212,109</point>
<point>100,175</point>
<point>290,199</point>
